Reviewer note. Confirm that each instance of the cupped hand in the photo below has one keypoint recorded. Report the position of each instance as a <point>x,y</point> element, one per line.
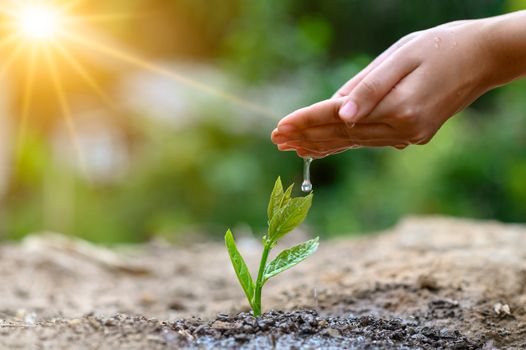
<point>403,97</point>
<point>317,131</point>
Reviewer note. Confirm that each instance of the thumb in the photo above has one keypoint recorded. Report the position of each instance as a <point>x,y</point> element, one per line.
<point>374,87</point>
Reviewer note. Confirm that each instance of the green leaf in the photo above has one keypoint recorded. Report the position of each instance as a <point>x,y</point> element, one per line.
<point>240,267</point>
<point>289,217</point>
<point>290,257</point>
<point>286,196</point>
<point>275,199</point>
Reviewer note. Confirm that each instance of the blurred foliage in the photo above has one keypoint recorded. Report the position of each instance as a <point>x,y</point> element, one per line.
<point>212,174</point>
<point>272,37</point>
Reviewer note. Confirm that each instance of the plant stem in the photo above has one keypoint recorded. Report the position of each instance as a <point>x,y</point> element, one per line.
<point>259,282</point>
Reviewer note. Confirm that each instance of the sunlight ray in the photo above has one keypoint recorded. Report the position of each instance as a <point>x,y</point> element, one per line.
<point>132,60</point>
<point>68,6</point>
<point>64,106</point>
<point>8,26</point>
<point>100,18</point>
<point>85,75</point>
<point>10,59</point>
<point>8,40</point>
<point>26,101</point>
<point>7,11</point>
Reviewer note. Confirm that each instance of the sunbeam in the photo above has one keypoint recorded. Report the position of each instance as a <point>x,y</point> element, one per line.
<point>8,40</point>
<point>82,19</point>
<point>11,59</point>
<point>77,66</point>
<point>48,30</point>
<point>26,100</point>
<point>68,6</point>
<point>143,64</point>
<point>64,106</point>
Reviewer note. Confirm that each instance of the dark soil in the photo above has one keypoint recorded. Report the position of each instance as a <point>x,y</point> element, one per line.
<point>282,330</point>
<point>428,284</point>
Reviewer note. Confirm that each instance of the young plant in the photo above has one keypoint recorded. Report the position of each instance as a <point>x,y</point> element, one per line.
<point>284,214</point>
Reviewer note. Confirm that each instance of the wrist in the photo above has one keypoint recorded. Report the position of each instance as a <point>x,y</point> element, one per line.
<point>504,41</point>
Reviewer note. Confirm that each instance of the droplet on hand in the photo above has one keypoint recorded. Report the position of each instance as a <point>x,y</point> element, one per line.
<point>437,41</point>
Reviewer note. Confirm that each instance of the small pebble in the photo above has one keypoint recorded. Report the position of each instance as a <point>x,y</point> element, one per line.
<point>74,322</point>
<point>333,332</point>
<point>500,308</point>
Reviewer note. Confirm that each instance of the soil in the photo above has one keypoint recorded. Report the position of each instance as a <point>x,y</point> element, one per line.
<point>428,283</point>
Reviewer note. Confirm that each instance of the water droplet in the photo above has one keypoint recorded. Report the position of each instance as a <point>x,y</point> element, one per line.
<point>437,41</point>
<point>30,318</point>
<point>306,186</point>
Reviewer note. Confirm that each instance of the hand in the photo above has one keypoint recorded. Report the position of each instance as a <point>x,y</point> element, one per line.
<point>403,97</point>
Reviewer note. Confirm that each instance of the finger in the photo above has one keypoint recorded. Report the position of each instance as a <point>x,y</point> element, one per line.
<point>375,86</point>
<point>303,153</point>
<point>346,149</point>
<point>331,146</point>
<point>333,132</point>
<point>285,147</point>
<point>317,155</point>
<point>324,112</point>
<point>395,104</point>
<point>273,135</point>
<point>306,153</point>
<point>325,147</point>
<point>351,84</point>
<point>321,147</point>
<point>400,146</point>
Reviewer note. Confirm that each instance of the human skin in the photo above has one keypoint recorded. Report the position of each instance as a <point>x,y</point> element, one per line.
<point>408,92</point>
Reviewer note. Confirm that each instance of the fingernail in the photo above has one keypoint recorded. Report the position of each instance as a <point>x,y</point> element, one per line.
<point>348,111</point>
<point>286,128</point>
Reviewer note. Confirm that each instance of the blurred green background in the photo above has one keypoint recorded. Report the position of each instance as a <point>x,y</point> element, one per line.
<point>168,159</point>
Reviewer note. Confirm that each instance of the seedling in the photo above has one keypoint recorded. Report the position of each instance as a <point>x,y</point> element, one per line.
<point>284,214</point>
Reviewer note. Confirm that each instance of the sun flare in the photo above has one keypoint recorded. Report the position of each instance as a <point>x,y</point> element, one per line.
<point>39,36</point>
<point>38,22</point>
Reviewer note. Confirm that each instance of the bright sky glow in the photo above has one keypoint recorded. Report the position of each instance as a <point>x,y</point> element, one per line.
<point>38,22</point>
<point>46,30</point>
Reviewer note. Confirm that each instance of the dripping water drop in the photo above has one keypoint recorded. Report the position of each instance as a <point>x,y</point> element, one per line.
<point>306,186</point>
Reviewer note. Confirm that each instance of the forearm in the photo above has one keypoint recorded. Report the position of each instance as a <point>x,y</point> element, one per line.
<point>505,40</point>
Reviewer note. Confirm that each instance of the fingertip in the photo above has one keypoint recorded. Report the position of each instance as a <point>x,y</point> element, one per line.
<point>285,128</point>
<point>285,147</point>
<point>400,146</point>
<point>274,136</point>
